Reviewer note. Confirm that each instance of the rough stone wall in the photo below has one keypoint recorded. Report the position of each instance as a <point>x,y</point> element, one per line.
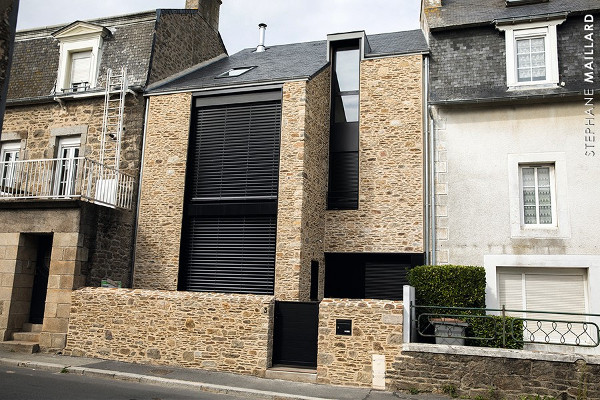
<point>390,212</point>
<point>376,329</point>
<point>183,39</point>
<point>40,127</point>
<point>316,151</point>
<point>163,184</point>
<point>211,331</point>
<point>495,377</point>
<point>68,257</point>
<point>302,185</point>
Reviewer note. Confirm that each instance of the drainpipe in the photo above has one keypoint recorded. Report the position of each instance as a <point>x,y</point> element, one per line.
<point>426,155</point>
<point>432,190</point>
<point>139,194</point>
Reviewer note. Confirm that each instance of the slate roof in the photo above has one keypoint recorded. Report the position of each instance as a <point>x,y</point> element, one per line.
<point>36,54</point>
<point>286,62</point>
<point>460,13</point>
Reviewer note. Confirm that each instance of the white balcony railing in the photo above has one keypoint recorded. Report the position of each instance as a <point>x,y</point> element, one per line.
<point>66,178</point>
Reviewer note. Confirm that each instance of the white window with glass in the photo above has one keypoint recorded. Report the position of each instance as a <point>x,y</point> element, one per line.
<point>81,64</point>
<point>9,155</point>
<point>531,59</point>
<point>67,166</point>
<point>538,195</point>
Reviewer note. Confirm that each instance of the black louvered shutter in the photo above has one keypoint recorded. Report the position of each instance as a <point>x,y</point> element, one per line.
<point>385,281</point>
<point>231,199</point>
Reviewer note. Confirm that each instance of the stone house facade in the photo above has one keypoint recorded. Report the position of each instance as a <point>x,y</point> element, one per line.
<point>515,162</point>
<point>71,149</point>
<point>281,206</point>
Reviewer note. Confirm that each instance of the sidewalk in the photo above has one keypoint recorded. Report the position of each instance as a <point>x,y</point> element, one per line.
<point>215,382</point>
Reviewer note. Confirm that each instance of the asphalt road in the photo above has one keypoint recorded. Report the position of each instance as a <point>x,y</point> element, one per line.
<point>29,384</point>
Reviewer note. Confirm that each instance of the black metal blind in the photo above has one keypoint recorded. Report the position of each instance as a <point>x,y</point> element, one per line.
<point>231,254</point>
<point>230,224</point>
<point>385,281</point>
<point>237,151</point>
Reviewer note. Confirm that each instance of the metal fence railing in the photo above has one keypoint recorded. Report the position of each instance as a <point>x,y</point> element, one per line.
<point>66,178</point>
<point>457,325</point>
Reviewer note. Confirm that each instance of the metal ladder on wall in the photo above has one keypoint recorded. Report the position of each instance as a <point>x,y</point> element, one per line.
<point>112,123</point>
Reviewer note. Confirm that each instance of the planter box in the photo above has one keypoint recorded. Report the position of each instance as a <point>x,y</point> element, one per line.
<point>449,331</point>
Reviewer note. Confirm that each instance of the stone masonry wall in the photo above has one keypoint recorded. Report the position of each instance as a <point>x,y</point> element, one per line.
<point>376,330</point>
<point>183,39</point>
<point>211,331</point>
<point>390,212</point>
<point>302,185</point>
<point>163,184</point>
<point>67,259</point>
<point>498,377</point>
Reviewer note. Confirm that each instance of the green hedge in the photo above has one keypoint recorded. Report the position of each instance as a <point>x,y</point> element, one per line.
<point>462,286</point>
<point>449,285</point>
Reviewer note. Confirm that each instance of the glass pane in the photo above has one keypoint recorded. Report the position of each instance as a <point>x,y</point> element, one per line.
<point>529,197</point>
<point>524,61</point>
<point>523,46</point>
<point>538,60</point>
<point>538,74</point>
<point>346,108</point>
<point>529,215</point>
<point>537,45</point>
<point>347,70</point>
<point>543,176</point>
<point>524,75</point>
<point>528,177</point>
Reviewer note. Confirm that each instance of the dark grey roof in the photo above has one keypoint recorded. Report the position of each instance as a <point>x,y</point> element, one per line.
<point>456,13</point>
<point>36,53</point>
<point>286,62</point>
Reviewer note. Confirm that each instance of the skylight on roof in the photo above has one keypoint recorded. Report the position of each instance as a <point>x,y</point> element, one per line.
<point>234,72</point>
<point>510,3</point>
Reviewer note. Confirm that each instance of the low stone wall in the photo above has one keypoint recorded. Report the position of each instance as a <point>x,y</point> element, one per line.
<point>219,332</point>
<point>495,373</point>
<point>376,330</point>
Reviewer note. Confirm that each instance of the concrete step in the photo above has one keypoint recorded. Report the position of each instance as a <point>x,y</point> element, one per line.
<point>26,337</point>
<point>15,346</point>
<point>292,374</point>
<point>28,327</point>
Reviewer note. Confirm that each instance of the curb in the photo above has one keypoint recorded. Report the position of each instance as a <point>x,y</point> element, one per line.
<point>129,377</point>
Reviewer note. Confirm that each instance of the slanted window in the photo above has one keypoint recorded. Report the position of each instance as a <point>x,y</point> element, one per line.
<point>538,195</point>
<point>9,154</point>
<point>234,72</point>
<point>343,140</point>
<point>531,54</point>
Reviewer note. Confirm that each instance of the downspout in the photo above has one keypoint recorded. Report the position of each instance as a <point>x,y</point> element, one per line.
<point>139,194</point>
<point>432,187</point>
<point>426,222</point>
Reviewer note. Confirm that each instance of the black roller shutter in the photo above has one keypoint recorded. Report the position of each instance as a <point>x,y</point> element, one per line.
<point>230,223</point>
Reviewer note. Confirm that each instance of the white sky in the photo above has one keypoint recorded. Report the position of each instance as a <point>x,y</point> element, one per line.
<point>288,21</point>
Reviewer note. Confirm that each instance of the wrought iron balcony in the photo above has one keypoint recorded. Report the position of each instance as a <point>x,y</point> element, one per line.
<point>66,178</point>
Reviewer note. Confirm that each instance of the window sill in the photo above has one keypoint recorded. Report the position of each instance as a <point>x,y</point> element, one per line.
<point>537,86</point>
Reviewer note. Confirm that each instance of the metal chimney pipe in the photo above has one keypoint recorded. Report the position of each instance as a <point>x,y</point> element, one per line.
<point>262,28</point>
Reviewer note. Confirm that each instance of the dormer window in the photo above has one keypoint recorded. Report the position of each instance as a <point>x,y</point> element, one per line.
<point>531,53</point>
<point>80,53</point>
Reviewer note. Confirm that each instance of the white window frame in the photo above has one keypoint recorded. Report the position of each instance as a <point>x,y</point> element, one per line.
<point>552,195</point>
<point>80,37</point>
<point>68,165</point>
<point>561,224</point>
<point>9,169</point>
<point>532,30</point>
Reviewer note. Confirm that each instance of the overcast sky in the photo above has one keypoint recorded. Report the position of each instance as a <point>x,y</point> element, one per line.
<point>288,21</point>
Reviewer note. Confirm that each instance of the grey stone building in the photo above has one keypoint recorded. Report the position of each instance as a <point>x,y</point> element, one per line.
<point>71,153</point>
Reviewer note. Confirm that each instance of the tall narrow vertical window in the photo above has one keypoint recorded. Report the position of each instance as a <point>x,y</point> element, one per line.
<point>67,166</point>
<point>343,142</point>
<point>9,155</point>
<point>537,184</point>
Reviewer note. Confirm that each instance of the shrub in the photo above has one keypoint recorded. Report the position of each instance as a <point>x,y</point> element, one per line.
<point>463,286</point>
<point>448,285</point>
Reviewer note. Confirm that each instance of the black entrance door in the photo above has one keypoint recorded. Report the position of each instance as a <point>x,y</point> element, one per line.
<point>296,334</point>
<point>40,280</point>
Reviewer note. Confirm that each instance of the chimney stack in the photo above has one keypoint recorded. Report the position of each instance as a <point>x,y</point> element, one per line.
<point>209,9</point>
<point>433,3</point>
<point>262,28</point>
